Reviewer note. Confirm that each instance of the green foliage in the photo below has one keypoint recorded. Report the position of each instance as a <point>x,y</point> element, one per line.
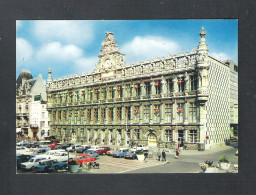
<point>235,131</point>
<point>224,159</point>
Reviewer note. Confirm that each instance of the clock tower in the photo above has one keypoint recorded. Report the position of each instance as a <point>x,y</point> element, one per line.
<point>110,57</point>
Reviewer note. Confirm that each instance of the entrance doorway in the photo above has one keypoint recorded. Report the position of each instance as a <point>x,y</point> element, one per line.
<point>152,141</point>
<point>181,137</point>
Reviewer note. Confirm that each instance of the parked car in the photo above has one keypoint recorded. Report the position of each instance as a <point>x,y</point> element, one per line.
<point>72,148</point>
<point>95,148</point>
<point>52,139</point>
<point>49,165</point>
<point>83,158</point>
<point>44,144</point>
<point>53,145</point>
<point>82,148</point>
<point>20,149</point>
<point>50,153</point>
<point>41,150</point>
<point>111,151</point>
<point>140,147</point>
<point>31,163</point>
<point>64,146</point>
<point>92,153</point>
<point>121,152</point>
<point>23,143</point>
<point>62,156</point>
<point>236,152</point>
<point>29,151</point>
<point>22,158</point>
<point>103,150</point>
<point>131,154</point>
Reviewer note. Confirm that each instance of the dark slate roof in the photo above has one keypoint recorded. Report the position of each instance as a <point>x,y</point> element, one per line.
<point>24,74</point>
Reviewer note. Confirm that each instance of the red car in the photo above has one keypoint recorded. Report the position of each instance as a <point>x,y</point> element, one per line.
<point>103,150</point>
<point>83,159</point>
<point>53,145</point>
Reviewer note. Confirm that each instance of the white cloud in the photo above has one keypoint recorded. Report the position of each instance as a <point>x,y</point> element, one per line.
<point>24,51</point>
<point>219,56</point>
<point>69,32</point>
<point>85,65</point>
<point>55,51</point>
<point>149,47</point>
<point>18,24</point>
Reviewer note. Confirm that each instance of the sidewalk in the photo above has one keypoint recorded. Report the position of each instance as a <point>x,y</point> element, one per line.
<point>196,152</point>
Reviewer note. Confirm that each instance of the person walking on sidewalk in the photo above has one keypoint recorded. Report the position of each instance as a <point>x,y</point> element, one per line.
<point>177,154</point>
<point>163,156</point>
<point>159,155</point>
<point>145,156</point>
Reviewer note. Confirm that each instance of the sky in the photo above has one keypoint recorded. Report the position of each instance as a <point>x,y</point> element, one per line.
<point>72,47</point>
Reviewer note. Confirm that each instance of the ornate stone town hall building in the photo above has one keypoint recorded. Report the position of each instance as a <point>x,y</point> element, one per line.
<point>177,99</point>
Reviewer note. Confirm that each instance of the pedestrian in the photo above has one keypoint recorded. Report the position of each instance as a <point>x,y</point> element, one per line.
<point>159,155</point>
<point>177,153</point>
<point>163,156</point>
<point>145,156</point>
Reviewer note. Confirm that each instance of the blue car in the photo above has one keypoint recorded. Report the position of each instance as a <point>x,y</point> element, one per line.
<point>121,152</point>
<point>92,153</point>
<point>49,166</point>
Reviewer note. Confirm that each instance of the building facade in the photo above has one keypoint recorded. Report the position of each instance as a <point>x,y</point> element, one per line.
<point>233,96</point>
<point>31,114</point>
<point>181,99</point>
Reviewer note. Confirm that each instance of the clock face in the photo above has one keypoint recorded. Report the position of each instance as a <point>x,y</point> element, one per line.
<point>107,64</point>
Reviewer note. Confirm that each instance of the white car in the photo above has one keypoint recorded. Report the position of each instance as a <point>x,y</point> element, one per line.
<point>31,163</point>
<point>20,150</point>
<point>73,148</point>
<point>29,152</point>
<point>50,153</point>
<point>61,156</point>
<point>140,147</point>
<point>95,148</point>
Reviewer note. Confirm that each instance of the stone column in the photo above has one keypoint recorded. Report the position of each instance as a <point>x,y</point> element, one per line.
<point>152,83</point>
<point>175,85</point>
<point>143,89</point>
<point>163,87</point>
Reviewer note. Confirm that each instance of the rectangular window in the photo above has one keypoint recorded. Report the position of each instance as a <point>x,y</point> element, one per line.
<point>103,114</point>
<point>168,112</point>
<point>43,123</point>
<point>168,135</point>
<point>37,97</point>
<point>119,113</point>
<point>95,114</point>
<point>148,88</point>
<point>88,115</point>
<point>110,114</point>
<point>193,83</point>
<point>157,113</point>
<point>90,96</point>
<point>181,84</point>
<point>193,112</point>
<point>77,96</point>
<point>128,112</point>
<point>147,113</point>
<point>43,114</point>
<point>96,93</point>
<point>180,112</point>
<point>71,97</point>
<point>83,96</point>
<point>59,115</point>
<point>76,116</point>
<point>169,86</point>
<point>193,135</point>
<point>54,116</point>
<point>111,93</point>
<point>104,94</point>
<point>128,90</point>
<point>137,90</point>
<point>119,91</point>
<point>82,132</point>
<point>158,87</point>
